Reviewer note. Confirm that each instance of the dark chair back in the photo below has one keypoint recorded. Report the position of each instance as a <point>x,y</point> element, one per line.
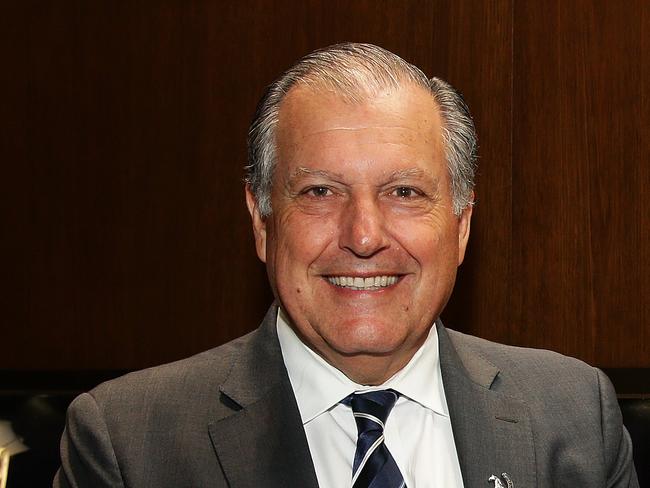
<point>636,416</point>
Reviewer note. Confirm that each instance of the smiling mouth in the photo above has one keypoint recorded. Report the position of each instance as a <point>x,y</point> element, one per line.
<point>370,283</point>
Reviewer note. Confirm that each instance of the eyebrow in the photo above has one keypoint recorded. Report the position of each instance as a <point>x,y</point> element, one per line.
<point>395,175</point>
<point>302,171</point>
<point>411,173</point>
<point>391,177</point>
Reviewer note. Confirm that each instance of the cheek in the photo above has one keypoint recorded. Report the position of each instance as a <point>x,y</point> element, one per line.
<point>422,237</point>
<point>299,240</point>
<point>432,244</point>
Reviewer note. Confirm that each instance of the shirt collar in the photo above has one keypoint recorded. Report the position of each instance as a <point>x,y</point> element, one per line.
<point>319,387</point>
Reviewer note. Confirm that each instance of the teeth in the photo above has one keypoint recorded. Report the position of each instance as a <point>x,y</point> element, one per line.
<point>358,283</point>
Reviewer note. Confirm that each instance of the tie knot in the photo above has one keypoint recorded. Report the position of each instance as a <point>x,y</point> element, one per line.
<point>374,405</point>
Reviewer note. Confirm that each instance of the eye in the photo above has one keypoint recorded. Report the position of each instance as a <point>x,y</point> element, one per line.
<point>318,191</point>
<point>405,192</point>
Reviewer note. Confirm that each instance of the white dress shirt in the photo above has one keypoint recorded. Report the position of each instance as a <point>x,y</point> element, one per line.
<point>418,430</point>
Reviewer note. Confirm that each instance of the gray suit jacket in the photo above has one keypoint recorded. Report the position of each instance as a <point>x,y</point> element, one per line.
<point>228,417</point>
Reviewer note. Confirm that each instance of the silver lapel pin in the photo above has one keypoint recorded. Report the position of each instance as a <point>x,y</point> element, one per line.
<point>498,483</point>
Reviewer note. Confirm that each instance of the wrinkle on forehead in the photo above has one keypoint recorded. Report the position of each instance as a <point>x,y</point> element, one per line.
<point>364,127</point>
<point>390,135</point>
<point>383,132</point>
<point>321,130</point>
<point>387,101</point>
<point>405,118</point>
<point>400,174</point>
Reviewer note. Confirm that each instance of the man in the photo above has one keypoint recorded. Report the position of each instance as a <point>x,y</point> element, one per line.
<point>360,189</point>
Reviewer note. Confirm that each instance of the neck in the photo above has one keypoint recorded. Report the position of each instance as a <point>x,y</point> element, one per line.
<point>372,369</point>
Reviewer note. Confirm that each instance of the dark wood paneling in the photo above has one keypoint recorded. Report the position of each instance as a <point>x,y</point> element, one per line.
<point>125,149</point>
<point>580,177</point>
<point>478,60</point>
<point>125,138</point>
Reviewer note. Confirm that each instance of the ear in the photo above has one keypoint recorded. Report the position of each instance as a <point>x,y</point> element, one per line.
<point>259,224</point>
<point>463,230</point>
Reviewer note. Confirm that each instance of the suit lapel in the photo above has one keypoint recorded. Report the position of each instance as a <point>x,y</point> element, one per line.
<point>492,432</point>
<point>261,441</point>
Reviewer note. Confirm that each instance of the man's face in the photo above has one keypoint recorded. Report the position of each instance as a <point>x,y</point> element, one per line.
<point>362,245</point>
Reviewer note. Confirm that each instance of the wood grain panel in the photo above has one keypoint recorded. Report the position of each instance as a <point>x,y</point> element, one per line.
<point>130,243</point>
<point>478,60</point>
<point>580,174</point>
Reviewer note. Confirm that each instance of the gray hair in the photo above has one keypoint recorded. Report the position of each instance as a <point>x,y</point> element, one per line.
<point>357,72</point>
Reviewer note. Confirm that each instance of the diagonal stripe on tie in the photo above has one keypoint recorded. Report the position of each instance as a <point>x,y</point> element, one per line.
<point>373,466</point>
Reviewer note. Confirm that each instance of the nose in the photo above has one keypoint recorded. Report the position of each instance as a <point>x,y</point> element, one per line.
<point>363,227</point>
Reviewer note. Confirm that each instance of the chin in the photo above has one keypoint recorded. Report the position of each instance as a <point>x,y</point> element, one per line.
<point>366,339</point>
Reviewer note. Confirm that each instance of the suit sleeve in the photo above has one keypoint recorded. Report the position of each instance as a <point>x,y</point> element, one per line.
<point>616,440</point>
<point>87,456</point>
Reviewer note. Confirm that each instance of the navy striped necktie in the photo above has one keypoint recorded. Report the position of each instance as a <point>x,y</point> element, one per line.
<point>373,466</point>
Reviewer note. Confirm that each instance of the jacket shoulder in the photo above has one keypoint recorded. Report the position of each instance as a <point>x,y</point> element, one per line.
<point>523,371</point>
<point>194,381</point>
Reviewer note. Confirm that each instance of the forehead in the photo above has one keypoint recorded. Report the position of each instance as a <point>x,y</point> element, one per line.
<point>406,116</point>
